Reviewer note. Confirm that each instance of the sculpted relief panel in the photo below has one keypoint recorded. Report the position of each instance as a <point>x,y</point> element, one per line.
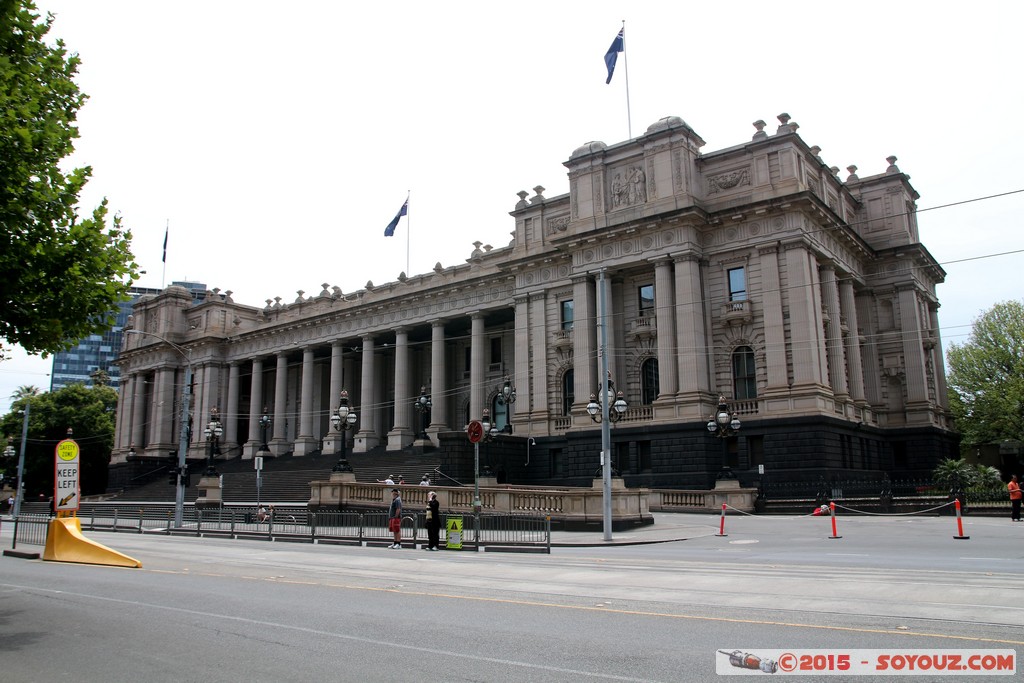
<point>629,187</point>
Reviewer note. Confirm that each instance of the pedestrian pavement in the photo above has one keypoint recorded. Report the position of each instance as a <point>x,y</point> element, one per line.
<point>667,527</point>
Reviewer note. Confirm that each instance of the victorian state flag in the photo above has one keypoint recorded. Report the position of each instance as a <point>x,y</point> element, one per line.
<point>390,230</point>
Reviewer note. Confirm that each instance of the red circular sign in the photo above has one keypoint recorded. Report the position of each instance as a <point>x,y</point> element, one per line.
<point>475,431</point>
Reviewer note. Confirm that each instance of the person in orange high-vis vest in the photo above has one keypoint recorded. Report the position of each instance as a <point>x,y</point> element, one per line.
<point>1015,496</point>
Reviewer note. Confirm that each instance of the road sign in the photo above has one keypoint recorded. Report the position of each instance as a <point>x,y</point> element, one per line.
<point>65,480</point>
<point>454,538</point>
<point>258,462</point>
<point>475,430</point>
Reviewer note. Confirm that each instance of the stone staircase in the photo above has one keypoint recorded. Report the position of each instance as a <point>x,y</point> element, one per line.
<point>285,479</point>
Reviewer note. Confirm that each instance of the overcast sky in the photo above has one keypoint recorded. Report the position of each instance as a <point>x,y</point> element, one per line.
<point>277,140</point>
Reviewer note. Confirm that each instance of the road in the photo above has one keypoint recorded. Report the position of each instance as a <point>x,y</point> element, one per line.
<point>204,609</point>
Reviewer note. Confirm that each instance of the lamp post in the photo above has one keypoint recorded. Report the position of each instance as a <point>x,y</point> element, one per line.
<point>184,431</point>
<point>344,420</point>
<point>422,404</point>
<point>506,397</point>
<point>490,431</point>
<point>9,454</point>
<point>19,493</point>
<point>264,422</point>
<point>724,424</point>
<point>606,410</point>
<point>213,432</point>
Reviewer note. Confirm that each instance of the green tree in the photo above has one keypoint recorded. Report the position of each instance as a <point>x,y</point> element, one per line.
<point>62,276</point>
<point>24,391</point>
<point>986,377</point>
<point>88,412</point>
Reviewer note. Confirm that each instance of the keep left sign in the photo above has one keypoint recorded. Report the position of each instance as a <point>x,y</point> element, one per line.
<point>66,466</point>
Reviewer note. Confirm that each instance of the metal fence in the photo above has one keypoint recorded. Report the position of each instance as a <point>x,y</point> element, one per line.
<point>297,522</point>
<point>30,530</point>
<point>883,492</point>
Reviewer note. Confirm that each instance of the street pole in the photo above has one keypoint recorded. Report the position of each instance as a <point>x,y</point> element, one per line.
<point>179,492</point>
<point>20,492</point>
<point>606,408</point>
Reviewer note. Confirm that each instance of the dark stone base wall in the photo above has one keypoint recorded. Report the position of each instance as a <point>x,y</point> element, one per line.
<point>687,457</point>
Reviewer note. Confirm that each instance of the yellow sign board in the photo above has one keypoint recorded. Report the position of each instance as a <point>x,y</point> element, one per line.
<point>66,475</point>
<point>454,538</point>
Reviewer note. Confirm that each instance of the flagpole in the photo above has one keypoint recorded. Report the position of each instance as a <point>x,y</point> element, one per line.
<point>163,274</point>
<point>408,231</point>
<point>625,66</point>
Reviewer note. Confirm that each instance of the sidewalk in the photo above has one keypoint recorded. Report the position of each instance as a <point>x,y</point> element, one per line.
<point>667,527</point>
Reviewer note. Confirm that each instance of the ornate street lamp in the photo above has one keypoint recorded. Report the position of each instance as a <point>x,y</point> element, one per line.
<point>615,402</point>
<point>423,405</point>
<point>213,433</point>
<point>265,422</point>
<point>724,424</point>
<point>344,419</point>
<point>506,392</point>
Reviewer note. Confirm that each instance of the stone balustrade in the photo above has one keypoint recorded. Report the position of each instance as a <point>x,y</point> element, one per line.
<point>570,507</point>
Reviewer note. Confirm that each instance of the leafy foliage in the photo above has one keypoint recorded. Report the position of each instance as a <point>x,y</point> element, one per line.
<point>63,277</point>
<point>956,475</point>
<point>88,411</point>
<point>986,377</point>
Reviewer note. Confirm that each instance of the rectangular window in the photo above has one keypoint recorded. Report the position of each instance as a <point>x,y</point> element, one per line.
<point>643,449</point>
<point>737,284</point>
<point>469,360</point>
<point>567,314</point>
<point>646,300</point>
<point>495,350</point>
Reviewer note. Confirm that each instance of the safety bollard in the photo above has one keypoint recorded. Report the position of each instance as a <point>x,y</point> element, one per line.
<point>832,514</point>
<point>721,525</point>
<point>959,522</point>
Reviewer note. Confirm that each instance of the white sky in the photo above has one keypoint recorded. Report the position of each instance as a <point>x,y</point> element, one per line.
<point>278,139</point>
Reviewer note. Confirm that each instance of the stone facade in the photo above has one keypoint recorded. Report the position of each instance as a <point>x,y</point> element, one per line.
<point>752,272</point>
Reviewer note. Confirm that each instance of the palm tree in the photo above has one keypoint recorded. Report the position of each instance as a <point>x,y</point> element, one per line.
<point>956,474</point>
<point>24,391</point>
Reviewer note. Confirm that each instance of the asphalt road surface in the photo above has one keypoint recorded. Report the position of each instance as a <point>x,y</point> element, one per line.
<point>211,610</point>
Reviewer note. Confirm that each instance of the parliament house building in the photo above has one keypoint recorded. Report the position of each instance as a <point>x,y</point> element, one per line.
<point>754,277</point>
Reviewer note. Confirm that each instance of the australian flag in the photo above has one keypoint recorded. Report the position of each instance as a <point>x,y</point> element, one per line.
<point>390,230</point>
<point>612,56</point>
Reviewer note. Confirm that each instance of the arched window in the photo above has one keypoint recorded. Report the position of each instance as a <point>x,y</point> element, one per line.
<point>649,381</point>
<point>744,374</point>
<point>568,393</point>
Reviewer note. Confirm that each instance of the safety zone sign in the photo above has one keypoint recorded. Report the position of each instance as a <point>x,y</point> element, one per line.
<point>66,468</point>
<point>454,528</point>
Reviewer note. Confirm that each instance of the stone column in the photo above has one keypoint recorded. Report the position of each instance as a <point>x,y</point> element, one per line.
<point>665,323</point>
<point>848,307</point>
<point>163,410</point>
<point>231,418</point>
<point>438,381</point>
<point>255,408</point>
<point>834,333</point>
<point>776,366</point>
<point>366,438</point>
<point>521,361</point>
<point>477,361</point>
<point>935,339</point>
<point>805,324</point>
<point>692,339</point>
<point>584,336</point>
<point>279,444</point>
<point>913,346</point>
<point>866,304</point>
<point>304,442</point>
<point>537,391</point>
<point>401,433</point>
<point>332,441</point>
<point>138,437</point>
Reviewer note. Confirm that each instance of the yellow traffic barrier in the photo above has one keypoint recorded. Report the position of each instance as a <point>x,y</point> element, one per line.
<point>65,543</point>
